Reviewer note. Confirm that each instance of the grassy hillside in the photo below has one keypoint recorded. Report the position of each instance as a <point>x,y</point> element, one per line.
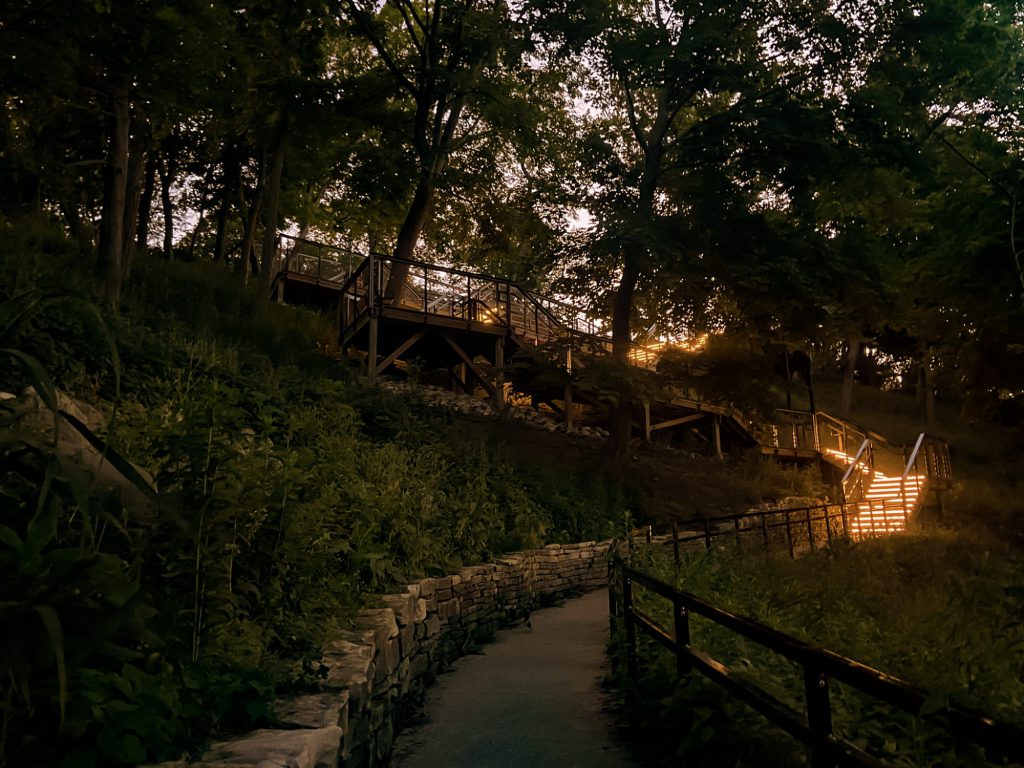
<point>288,491</point>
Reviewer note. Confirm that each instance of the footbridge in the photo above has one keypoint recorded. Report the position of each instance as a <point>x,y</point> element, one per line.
<point>491,337</point>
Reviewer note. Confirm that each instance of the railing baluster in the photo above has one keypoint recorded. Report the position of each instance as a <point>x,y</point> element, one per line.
<point>764,530</point>
<point>789,535</point>
<point>810,530</point>
<point>707,534</point>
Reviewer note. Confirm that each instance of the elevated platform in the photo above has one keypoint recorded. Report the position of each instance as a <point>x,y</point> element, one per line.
<point>469,325</point>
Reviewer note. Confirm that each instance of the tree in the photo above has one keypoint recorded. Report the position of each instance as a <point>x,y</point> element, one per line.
<point>693,92</point>
<point>449,58</point>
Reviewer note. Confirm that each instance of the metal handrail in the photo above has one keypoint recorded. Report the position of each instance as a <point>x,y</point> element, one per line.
<point>863,451</point>
<point>538,314</point>
<point>819,665</point>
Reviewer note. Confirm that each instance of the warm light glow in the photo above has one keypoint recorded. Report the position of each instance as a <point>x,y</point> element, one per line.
<point>886,502</point>
<point>647,355</point>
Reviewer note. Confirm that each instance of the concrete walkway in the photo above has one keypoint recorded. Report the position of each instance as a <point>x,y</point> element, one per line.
<point>532,699</point>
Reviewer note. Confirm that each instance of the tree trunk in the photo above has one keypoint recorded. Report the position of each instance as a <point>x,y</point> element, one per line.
<point>620,414</point>
<point>133,202</point>
<point>80,232</point>
<point>408,236</point>
<point>232,171</point>
<point>204,191</point>
<point>272,184</point>
<point>165,171</point>
<point>146,203</point>
<point>115,182</point>
<point>252,221</point>
<point>929,392</point>
<point>853,347</point>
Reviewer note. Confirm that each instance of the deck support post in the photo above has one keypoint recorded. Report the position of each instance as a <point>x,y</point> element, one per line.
<point>498,398</point>
<point>647,421</point>
<point>400,350</point>
<point>716,426</point>
<point>469,364</point>
<point>280,291</point>
<point>371,357</point>
<point>568,406</point>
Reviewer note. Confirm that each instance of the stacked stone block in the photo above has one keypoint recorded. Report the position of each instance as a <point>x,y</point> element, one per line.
<point>377,671</point>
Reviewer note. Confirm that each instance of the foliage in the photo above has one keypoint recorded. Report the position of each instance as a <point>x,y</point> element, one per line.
<point>287,492</point>
<point>942,611</point>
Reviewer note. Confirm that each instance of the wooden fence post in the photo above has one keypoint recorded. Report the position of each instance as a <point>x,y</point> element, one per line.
<point>675,542</point>
<point>682,620</point>
<point>819,717</point>
<point>789,535</point>
<point>627,616</point>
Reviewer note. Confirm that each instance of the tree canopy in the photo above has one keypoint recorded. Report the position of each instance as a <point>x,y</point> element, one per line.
<point>826,176</point>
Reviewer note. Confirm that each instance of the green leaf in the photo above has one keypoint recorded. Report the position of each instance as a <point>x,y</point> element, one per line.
<point>9,537</point>
<point>53,630</point>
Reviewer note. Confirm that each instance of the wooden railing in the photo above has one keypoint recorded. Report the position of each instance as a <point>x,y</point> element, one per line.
<point>818,666</point>
<point>865,454</point>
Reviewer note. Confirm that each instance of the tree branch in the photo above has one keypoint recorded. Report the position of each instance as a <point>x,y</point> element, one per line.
<point>365,24</point>
<point>1010,195</point>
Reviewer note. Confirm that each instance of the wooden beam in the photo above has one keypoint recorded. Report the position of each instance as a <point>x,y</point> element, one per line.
<point>402,349</point>
<point>647,422</point>
<point>717,427</point>
<point>371,358</point>
<point>678,422</point>
<point>568,406</point>
<point>469,364</point>
<point>499,375</point>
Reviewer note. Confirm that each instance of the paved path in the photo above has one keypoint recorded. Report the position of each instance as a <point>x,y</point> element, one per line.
<point>533,699</point>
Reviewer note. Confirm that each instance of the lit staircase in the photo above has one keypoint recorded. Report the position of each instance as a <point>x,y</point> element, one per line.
<point>887,503</point>
<point>884,486</point>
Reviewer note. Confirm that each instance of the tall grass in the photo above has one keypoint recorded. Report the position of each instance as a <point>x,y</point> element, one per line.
<point>943,611</point>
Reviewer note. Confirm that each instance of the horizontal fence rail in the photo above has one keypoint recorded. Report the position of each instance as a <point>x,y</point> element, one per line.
<point>792,529</point>
<point>819,666</point>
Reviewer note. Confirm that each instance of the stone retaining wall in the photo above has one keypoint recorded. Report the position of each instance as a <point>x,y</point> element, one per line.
<point>375,672</point>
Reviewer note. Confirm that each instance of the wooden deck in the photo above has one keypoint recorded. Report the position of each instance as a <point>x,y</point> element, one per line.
<point>470,325</point>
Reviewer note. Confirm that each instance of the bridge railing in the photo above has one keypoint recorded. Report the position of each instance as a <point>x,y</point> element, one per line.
<point>319,261</point>
<point>450,292</point>
<point>634,597</point>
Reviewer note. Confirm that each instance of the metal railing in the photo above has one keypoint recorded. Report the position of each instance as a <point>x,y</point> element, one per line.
<point>927,464</point>
<point>318,261</point>
<point>814,726</point>
<point>794,528</point>
<point>430,289</point>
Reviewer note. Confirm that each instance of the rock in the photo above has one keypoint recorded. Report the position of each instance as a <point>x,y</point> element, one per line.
<point>320,710</point>
<point>81,446</point>
<point>305,748</point>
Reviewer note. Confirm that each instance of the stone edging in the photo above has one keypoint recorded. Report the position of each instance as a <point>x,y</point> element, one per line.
<point>378,670</point>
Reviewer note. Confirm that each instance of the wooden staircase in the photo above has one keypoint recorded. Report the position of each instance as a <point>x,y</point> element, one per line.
<point>472,321</point>
<point>884,487</point>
